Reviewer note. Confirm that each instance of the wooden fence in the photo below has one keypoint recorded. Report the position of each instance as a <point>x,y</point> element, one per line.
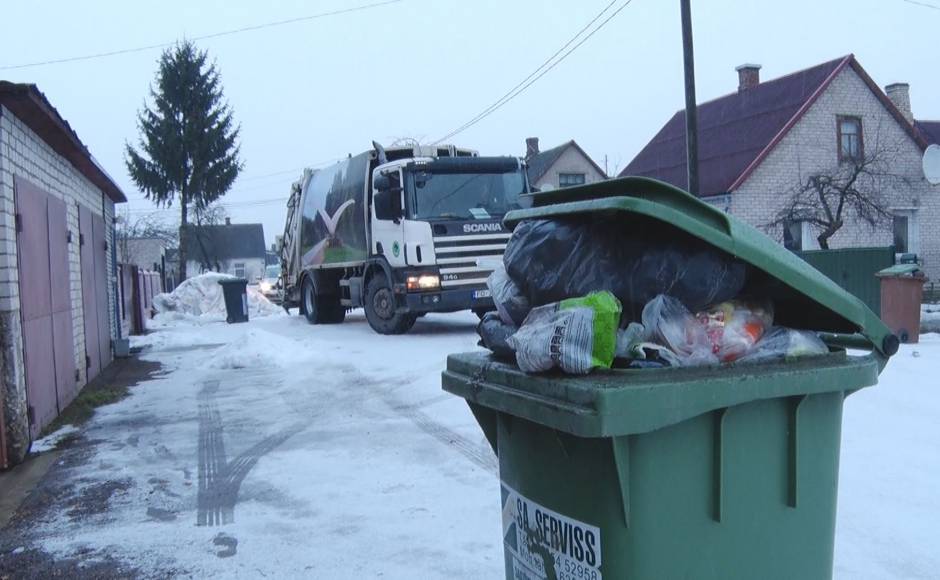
<point>137,288</point>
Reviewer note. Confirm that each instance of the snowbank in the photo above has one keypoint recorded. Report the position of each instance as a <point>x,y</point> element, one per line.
<point>930,318</point>
<point>260,349</point>
<point>51,441</point>
<point>200,299</point>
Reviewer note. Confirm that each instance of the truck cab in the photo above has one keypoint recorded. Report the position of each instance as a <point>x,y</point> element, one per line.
<point>423,234</point>
<point>438,224</point>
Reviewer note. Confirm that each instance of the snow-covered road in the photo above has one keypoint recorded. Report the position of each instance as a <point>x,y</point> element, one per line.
<point>282,450</point>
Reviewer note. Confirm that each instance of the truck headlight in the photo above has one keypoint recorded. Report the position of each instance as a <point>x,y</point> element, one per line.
<point>424,282</point>
<point>265,286</point>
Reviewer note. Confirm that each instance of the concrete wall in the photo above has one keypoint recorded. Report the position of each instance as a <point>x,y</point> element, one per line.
<point>23,153</point>
<point>810,147</point>
<point>571,161</point>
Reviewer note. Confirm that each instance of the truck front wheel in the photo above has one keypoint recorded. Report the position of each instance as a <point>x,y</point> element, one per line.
<point>381,311</point>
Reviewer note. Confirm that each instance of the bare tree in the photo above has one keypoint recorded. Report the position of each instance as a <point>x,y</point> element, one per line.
<point>149,225</point>
<point>210,215</point>
<point>856,188</point>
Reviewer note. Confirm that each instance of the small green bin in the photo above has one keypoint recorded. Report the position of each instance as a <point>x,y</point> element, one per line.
<point>724,473</point>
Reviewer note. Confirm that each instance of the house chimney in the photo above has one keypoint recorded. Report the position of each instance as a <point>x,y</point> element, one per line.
<point>531,147</point>
<point>900,95</point>
<point>228,221</point>
<point>748,76</point>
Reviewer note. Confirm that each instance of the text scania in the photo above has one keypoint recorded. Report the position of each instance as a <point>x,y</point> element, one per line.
<point>561,536</point>
<point>481,228</point>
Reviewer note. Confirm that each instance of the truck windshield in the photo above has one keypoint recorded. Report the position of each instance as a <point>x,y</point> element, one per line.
<point>463,195</point>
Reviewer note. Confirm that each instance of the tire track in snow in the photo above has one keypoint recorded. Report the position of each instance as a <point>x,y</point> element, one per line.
<point>219,479</point>
<point>483,457</point>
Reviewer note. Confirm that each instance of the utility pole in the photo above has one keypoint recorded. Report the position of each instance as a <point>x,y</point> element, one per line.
<point>691,112</point>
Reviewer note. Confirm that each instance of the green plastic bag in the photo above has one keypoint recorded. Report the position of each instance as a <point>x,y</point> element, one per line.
<point>576,335</point>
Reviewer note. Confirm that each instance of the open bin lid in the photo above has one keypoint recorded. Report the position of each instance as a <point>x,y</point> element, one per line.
<point>900,270</point>
<point>803,297</point>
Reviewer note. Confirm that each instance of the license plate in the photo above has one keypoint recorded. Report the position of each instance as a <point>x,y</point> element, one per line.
<point>482,294</point>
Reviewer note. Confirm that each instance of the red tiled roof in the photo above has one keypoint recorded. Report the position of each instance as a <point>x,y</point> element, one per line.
<point>738,130</point>
<point>930,130</point>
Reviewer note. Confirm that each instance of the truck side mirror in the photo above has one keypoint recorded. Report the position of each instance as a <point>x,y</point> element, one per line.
<point>387,204</point>
<point>382,183</point>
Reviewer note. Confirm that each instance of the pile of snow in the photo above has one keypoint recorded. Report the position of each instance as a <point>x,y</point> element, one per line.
<point>257,349</point>
<point>51,441</point>
<point>930,318</point>
<point>200,299</point>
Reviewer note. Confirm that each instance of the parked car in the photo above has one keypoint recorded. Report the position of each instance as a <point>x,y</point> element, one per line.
<point>270,284</point>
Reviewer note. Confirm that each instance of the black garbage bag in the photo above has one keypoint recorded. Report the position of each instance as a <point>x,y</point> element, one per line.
<point>636,260</point>
<point>494,335</point>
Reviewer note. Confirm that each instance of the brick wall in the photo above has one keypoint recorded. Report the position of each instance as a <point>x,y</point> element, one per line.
<point>23,153</point>
<point>810,147</point>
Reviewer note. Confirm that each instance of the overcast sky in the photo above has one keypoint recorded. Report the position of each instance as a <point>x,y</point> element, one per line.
<point>313,91</point>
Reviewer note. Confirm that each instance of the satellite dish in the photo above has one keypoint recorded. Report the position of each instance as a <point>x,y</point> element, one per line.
<point>931,163</point>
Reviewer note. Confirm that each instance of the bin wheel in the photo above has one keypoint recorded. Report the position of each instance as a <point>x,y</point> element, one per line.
<point>481,312</point>
<point>318,308</point>
<point>381,311</point>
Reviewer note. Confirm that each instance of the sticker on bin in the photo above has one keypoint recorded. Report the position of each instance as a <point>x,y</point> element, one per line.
<point>541,543</point>
<point>482,294</point>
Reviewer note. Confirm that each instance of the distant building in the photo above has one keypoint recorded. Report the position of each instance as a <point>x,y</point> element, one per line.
<point>757,144</point>
<point>564,166</point>
<point>236,249</point>
<point>146,253</point>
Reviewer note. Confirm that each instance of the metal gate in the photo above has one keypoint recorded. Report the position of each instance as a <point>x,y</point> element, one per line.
<point>854,270</point>
<point>45,303</point>
<point>94,253</point>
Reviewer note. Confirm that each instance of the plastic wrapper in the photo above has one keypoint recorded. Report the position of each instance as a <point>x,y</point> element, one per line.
<point>494,335</point>
<point>669,323</point>
<point>732,328</point>
<point>628,339</point>
<point>555,259</point>
<point>781,343</point>
<point>511,303</point>
<point>575,335</point>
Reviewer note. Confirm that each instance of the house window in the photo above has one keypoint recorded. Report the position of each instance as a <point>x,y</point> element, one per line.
<point>905,231</point>
<point>798,235</point>
<point>570,179</point>
<point>238,269</point>
<point>849,134</point>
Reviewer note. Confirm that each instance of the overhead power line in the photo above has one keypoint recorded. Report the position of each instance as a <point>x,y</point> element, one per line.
<point>550,63</point>
<point>203,37</point>
<point>924,4</point>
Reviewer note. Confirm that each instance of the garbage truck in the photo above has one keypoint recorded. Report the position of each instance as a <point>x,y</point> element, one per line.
<point>400,232</point>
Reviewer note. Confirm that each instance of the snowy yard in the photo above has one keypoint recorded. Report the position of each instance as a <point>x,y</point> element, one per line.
<point>283,450</point>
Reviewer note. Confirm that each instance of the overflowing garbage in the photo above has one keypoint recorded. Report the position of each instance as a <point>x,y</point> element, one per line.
<point>580,295</point>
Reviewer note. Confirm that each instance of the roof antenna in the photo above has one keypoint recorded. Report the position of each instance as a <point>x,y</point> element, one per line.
<point>380,152</point>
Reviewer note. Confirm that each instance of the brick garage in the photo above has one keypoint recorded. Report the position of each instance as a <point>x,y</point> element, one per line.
<point>57,291</point>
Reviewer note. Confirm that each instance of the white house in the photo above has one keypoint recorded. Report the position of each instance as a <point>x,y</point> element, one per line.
<point>758,143</point>
<point>236,249</point>
<point>566,165</point>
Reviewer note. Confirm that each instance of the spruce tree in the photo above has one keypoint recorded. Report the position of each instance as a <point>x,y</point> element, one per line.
<point>188,148</point>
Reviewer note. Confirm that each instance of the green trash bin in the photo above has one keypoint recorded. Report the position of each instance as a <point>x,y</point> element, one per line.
<point>727,472</point>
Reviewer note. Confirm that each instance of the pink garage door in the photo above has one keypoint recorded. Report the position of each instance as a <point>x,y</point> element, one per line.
<point>94,256</point>
<point>45,303</point>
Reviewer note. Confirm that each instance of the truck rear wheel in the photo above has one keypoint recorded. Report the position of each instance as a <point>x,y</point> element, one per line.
<point>320,308</point>
<point>381,311</point>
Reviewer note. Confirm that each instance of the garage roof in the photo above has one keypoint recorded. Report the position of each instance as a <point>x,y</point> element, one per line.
<point>32,107</point>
